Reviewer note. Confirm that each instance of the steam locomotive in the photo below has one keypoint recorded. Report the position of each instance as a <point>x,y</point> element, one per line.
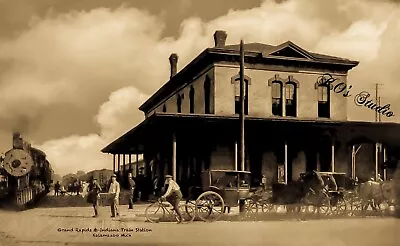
<point>25,174</point>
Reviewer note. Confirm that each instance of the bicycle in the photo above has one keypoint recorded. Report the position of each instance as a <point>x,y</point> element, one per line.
<point>161,211</point>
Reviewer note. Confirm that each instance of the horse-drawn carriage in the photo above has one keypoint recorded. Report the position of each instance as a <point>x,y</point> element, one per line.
<point>220,189</point>
<point>310,193</point>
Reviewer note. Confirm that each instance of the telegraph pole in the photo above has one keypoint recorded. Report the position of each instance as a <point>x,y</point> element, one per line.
<point>242,207</point>
<point>377,119</point>
<point>241,116</point>
<point>378,102</point>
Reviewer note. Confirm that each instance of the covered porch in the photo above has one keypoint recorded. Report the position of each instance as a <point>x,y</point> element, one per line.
<point>183,145</point>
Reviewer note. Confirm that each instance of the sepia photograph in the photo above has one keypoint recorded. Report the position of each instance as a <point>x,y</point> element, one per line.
<point>213,122</point>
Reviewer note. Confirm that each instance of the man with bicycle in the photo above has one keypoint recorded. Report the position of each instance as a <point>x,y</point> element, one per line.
<point>173,195</point>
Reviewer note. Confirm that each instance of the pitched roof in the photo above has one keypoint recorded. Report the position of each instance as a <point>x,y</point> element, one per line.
<point>285,52</point>
<point>269,50</point>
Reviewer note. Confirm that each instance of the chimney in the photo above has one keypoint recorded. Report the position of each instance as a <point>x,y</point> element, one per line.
<point>173,61</point>
<point>220,38</point>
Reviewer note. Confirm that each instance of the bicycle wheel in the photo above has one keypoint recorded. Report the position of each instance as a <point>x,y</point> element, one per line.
<point>155,212</point>
<point>188,211</point>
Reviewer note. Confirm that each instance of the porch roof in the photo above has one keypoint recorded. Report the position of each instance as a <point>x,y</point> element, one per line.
<point>134,140</point>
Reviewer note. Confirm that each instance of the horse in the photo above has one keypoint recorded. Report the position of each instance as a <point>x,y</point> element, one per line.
<point>374,194</point>
<point>308,189</point>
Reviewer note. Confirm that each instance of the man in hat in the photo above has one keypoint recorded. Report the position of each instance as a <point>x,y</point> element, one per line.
<point>173,195</point>
<point>114,190</point>
<point>132,185</point>
<point>93,196</point>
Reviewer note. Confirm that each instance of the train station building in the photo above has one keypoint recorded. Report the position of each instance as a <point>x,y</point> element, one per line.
<point>293,124</point>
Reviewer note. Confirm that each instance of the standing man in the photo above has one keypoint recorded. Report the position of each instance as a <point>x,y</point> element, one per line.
<point>264,182</point>
<point>93,196</point>
<point>173,195</point>
<point>56,188</point>
<point>131,187</point>
<point>114,190</point>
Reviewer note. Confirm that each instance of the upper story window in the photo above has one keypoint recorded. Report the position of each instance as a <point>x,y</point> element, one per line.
<point>236,81</point>
<point>291,96</point>
<point>323,101</point>
<point>237,97</point>
<point>191,100</point>
<point>179,103</point>
<point>164,109</point>
<point>277,95</point>
<point>284,96</point>
<point>207,95</point>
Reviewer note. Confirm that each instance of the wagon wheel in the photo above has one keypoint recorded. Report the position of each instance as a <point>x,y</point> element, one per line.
<point>355,206</point>
<point>267,206</point>
<point>340,207</point>
<point>251,206</point>
<point>210,206</point>
<point>323,206</point>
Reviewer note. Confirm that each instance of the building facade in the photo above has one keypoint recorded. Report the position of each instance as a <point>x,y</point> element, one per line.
<point>296,117</point>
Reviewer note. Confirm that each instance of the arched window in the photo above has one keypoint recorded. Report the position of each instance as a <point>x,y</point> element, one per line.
<point>237,96</point>
<point>191,100</point>
<point>291,100</point>
<point>164,109</point>
<point>179,103</point>
<point>207,90</point>
<point>323,101</point>
<point>277,98</point>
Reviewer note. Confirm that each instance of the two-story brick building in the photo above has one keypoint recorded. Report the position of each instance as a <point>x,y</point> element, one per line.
<point>293,123</point>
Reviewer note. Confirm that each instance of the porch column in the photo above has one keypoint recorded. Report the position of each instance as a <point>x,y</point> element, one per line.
<point>113,163</point>
<point>286,162</point>
<point>130,163</point>
<point>123,171</point>
<point>174,156</point>
<point>137,164</point>
<point>333,157</point>
<point>119,163</point>
<point>236,156</point>
<point>384,160</point>
<point>353,162</point>
<point>376,161</point>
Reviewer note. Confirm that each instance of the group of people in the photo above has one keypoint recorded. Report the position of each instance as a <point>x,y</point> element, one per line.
<point>172,194</point>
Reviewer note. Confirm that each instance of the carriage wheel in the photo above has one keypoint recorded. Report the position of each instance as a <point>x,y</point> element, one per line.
<point>210,206</point>
<point>155,213</point>
<point>251,206</point>
<point>267,206</point>
<point>355,206</point>
<point>340,207</point>
<point>325,206</point>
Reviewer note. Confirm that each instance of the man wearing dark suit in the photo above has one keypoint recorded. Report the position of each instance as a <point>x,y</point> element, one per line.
<point>93,196</point>
<point>131,188</point>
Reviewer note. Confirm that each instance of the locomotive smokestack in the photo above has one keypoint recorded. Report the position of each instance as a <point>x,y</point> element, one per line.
<point>17,140</point>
